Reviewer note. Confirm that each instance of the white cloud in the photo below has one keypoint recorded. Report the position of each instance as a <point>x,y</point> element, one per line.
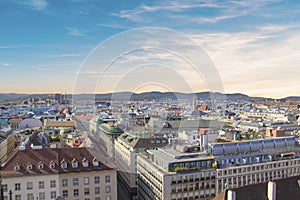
<point>4,64</point>
<point>34,4</point>
<point>267,59</point>
<point>39,4</point>
<point>64,55</point>
<point>112,25</point>
<point>177,9</point>
<point>74,32</point>
<point>138,14</point>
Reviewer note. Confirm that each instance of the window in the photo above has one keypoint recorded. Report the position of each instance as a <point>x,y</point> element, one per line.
<point>41,184</point>
<point>97,198</point>
<point>53,194</point>
<point>42,196</point>
<point>65,193</point>
<point>95,163</point>
<point>52,183</point>
<point>29,167</point>
<point>29,185</point>
<point>30,196</point>
<point>107,179</point>
<point>108,198</point>
<point>97,190</point>
<point>75,181</point>
<point>65,182</point>
<point>17,167</point>
<point>85,164</point>
<point>107,189</point>
<point>4,187</point>
<point>86,191</point>
<point>17,186</point>
<point>86,180</point>
<point>52,164</point>
<point>64,165</point>
<point>41,166</point>
<point>97,179</point>
<point>76,193</point>
<point>18,197</point>
<point>74,164</point>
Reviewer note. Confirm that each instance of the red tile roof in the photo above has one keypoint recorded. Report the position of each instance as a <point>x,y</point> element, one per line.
<point>16,119</point>
<point>48,156</point>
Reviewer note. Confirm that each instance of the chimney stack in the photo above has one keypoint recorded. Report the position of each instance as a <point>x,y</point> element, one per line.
<point>231,195</point>
<point>271,190</point>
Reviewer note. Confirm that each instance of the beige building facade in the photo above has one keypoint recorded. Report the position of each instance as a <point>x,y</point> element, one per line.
<point>66,173</point>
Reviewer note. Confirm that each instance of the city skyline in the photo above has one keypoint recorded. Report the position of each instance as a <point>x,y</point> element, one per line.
<point>253,45</point>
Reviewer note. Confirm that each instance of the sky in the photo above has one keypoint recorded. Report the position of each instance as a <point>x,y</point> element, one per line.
<point>50,46</point>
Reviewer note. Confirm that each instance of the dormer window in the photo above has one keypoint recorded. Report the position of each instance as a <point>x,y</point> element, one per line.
<point>29,166</point>
<point>41,165</point>
<point>52,164</point>
<point>74,163</point>
<point>85,162</point>
<point>63,164</point>
<point>95,162</point>
<point>17,167</point>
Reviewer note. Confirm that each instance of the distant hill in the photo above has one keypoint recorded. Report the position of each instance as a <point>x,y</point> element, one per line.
<point>155,95</point>
<point>291,98</point>
<point>14,96</point>
<point>11,96</point>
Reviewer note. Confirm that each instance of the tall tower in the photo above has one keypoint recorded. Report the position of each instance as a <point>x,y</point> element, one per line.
<point>194,102</point>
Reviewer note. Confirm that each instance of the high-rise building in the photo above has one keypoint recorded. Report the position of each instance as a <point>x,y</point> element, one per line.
<point>127,147</point>
<point>169,174</point>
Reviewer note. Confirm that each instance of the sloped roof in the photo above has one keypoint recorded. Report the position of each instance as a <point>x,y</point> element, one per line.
<point>46,156</point>
<point>286,188</point>
<point>60,124</point>
<point>30,123</point>
<point>140,142</point>
<point>187,124</point>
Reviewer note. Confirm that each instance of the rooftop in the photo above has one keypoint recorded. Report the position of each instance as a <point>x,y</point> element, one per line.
<point>141,142</point>
<point>48,156</point>
<point>287,188</point>
<point>60,124</point>
<point>111,129</point>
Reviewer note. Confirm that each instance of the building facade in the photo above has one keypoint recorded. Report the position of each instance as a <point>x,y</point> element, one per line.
<point>67,173</point>
<point>173,175</point>
<point>6,143</point>
<point>127,147</point>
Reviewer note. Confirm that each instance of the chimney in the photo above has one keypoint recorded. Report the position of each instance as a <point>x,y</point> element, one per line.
<point>271,190</point>
<point>231,195</point>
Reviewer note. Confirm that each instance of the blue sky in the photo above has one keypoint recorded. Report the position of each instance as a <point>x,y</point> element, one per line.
<point>255,44</point>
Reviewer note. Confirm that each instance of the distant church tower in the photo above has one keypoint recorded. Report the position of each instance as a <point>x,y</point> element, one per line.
<point>194,102</point>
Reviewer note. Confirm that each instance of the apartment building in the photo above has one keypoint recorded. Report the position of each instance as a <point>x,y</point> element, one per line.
<point>66,173</point>
<point>250,162</point>
<point>6,143</point>
<point>14,123</point>
<point>173,175</point>
<point>108,132</point>
<point>127,147</point>
<point>170,174</point>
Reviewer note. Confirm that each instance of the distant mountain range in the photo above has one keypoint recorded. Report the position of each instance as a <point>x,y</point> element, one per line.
<point>155,95</point>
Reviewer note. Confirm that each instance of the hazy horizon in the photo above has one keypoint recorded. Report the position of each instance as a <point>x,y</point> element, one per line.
<point>50,93</point>
<point>254,45</point>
